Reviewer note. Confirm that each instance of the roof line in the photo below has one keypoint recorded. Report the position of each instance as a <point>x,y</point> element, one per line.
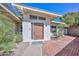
<point>58,22</point>
<point>42,11</point>
<point>9,12</point>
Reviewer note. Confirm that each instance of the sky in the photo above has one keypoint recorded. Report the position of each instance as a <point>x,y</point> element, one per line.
<point>59,8</point>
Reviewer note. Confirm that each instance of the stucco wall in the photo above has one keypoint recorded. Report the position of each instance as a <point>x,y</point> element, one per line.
<point>74,31</point>
<point>26,24</point>
<point>26,31</point>
<point>47,32</point>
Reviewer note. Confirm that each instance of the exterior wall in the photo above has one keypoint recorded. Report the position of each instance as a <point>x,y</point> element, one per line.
<point>47,32</point>
<point>27,34</point>
<point>26,31</point>
<point>74,31</point>
<point>26,19</point>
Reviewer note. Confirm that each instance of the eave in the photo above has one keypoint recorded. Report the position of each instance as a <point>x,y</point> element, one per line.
<point>37,10</point>
<point>16,18</point>
<point>58,23</point>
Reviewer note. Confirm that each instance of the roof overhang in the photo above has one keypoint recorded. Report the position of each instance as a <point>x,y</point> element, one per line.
<point>10,12</point>
<point>58,23</point>
<point>37,10</point>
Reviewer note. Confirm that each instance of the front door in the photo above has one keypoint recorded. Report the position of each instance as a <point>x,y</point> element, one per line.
<point>38,31</point>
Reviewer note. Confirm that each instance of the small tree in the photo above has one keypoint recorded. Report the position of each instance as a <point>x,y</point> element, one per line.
<point>60,29</point>
<point>71,19</point>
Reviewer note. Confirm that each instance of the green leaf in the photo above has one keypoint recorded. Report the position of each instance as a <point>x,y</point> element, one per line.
<point>72,19</point>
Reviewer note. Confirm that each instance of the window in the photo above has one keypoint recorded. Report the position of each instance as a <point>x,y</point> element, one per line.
<point>37,17</point>
<point>33,17</point>
<point>42,18</point>
<point>53,30</point>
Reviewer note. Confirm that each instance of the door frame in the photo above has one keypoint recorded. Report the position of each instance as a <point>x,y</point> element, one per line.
<point>32,31</point>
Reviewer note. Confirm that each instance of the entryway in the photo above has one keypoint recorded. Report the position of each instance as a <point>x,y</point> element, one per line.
<point>37,31</point>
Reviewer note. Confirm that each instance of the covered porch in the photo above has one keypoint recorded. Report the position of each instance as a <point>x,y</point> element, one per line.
<point>57,29</point>
<point>36,23</point>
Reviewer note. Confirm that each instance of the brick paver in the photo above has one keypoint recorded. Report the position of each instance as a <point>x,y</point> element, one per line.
<point>54,46</point>
<point>72,49</point>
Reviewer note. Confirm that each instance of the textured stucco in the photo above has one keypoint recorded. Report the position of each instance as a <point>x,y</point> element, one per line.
<point>26,31</point>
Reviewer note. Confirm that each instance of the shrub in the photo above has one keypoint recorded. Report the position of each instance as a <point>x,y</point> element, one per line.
<point>5,29</point>
<point>17,38</point>
<point>7,47</point>
<point>6,34</point>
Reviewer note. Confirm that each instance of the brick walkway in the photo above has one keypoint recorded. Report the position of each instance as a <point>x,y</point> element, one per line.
<point>54,46</point>
<point>72,49</point>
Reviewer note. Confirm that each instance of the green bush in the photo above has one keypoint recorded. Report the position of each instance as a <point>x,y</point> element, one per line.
<point>7,47</point>
<point>6,34</point>
<point>7,37</point>
<point>5,29</point>
<point>17,38</point>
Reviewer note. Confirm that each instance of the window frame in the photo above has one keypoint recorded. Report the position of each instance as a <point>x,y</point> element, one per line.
<point>33,17</point>
<point>41,18</point>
